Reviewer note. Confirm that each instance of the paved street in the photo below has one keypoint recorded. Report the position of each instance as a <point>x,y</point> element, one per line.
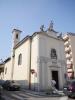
<point>20,95</point>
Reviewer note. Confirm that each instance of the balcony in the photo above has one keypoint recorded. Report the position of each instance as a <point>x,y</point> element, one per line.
<point>69,66</point>
<point>68,56</point>
<point>69,46</point>
<point>67,49</point>
<point>70,53</point>
<point>65,37</point>
<point>68,62</point>
<point>71,60</point>
<point>66,43</point>
<point>70,75</point>
<point>69,70</point>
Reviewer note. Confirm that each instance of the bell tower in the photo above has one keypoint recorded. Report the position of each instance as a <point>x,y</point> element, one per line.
<point>16,37</point>
<point>15,41</point>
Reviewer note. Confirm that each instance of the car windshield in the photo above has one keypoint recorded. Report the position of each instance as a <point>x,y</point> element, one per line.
<point>12,81</point>
<point>73,83</point>
<point>70,82</point>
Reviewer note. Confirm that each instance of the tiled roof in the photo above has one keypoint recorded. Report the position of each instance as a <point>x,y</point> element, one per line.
<point>22,41</point>
<point>6,60</point>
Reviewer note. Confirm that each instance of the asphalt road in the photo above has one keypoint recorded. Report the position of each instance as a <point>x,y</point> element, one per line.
<point>21,95</point>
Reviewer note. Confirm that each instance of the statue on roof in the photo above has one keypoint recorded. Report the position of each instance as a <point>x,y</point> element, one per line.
<point>60,35</point>
<point>51,26</point>
<point>42,28</point>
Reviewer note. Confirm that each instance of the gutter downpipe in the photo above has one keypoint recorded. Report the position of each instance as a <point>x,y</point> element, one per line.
<point>12,63</point>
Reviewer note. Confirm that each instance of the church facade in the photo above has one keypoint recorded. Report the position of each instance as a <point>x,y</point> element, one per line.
<point>36,60</point>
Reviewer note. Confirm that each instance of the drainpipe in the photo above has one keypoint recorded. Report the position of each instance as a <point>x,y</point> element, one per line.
<point>12,63</point>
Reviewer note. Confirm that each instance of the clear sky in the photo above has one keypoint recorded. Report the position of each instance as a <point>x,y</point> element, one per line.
<point>29,15</point>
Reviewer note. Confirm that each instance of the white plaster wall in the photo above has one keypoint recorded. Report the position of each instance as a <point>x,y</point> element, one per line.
<point>34,64</point>
<point>21,72</point>
<point>52,34</point>
<point>45,45</point>
<point>2,75</point>
<point>7,76</point>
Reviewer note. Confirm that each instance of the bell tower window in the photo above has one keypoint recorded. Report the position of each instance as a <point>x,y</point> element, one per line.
<point>16,36</point>
<point>5,70</point>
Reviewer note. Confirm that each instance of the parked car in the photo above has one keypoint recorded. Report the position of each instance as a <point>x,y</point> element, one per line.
<point>11,85</point>
<point>0,90</point>
<point>65,87</point>
<point>2,82</point>
<point>69,88</point>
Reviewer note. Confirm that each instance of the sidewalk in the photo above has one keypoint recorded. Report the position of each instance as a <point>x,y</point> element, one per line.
<point>43,94</point>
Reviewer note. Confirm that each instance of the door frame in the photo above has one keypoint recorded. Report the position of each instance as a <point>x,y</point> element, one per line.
<point>57,77</point>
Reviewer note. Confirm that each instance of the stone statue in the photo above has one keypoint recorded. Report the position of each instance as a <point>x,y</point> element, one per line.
<point>51,26</point>
<point>42,28</point>
<point>60,35</point>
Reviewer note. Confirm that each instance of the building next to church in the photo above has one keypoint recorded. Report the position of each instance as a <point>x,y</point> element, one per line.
<point>69,43</point>
<point>37,59</point>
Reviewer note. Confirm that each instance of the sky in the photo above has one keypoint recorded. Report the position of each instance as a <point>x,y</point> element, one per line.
<point>29,15</point>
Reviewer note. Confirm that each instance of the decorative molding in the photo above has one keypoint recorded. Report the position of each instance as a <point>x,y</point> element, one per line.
<point>43,59</point>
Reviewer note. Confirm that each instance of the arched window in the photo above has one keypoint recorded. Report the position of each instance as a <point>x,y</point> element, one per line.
<point>53,53</point>
<point>20,59</point>
<point>5,70</point>
<point>16,36</point>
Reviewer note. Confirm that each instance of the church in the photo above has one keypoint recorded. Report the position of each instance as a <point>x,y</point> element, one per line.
<point>37,59</point>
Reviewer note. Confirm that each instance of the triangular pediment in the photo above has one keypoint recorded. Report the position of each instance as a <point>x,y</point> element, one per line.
<point>52,33</point>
